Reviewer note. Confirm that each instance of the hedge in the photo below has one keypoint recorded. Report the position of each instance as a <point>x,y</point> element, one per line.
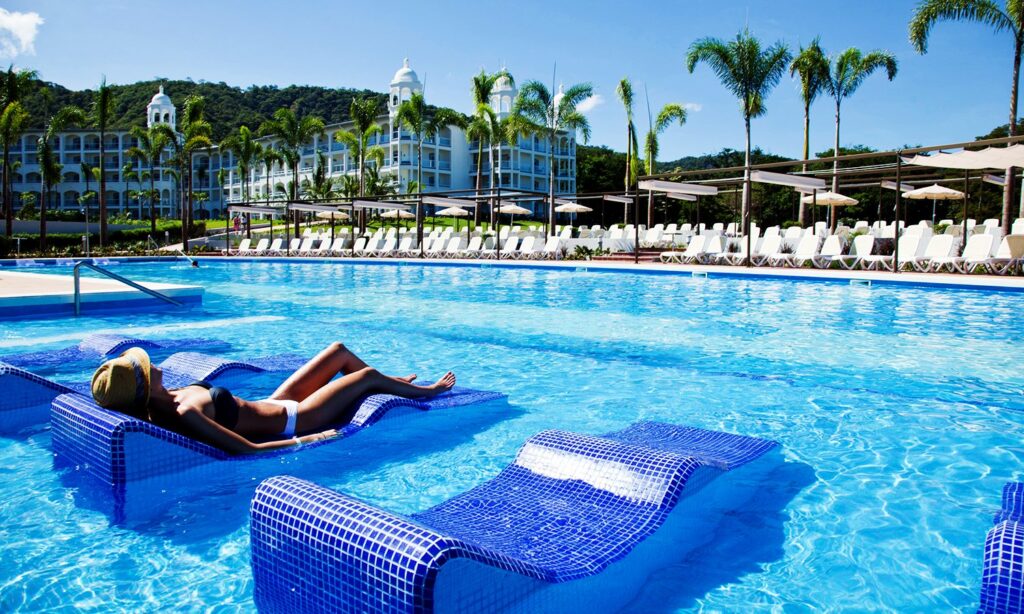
<point>68,242</point>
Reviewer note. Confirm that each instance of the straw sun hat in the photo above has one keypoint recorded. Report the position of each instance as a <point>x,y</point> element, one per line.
<point>122,383</point>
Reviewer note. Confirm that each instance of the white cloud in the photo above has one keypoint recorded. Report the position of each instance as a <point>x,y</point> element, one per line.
<point>693,106</point>
<point>589,104</point>
<point>18,32</point>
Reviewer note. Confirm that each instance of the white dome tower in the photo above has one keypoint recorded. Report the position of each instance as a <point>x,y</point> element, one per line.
<point>503,96</point>
<point>160,110</point>
<point>403,84</point>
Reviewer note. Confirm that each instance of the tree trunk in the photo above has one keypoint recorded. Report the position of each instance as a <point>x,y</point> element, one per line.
<point>745,209</point>
<point>629,168</point>
<point>103,187</point>
<point>8,205</point>
<point>807,154</point>
<point>1009,188</point>
<point>295,194</point>
<point>186,181</point>
<point>835,170</point>
<point>479,180</point>
<point>490,173</point>
<point>551,183</point>
<point>152,205</point>
<point>419,180</point>
<point>650,209</point>
<point>44,194</point>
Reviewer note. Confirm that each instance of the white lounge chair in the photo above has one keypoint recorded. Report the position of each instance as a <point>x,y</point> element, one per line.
<point>551,250</point>
<point>806,250</point>
<point>338,246</point>
<point>940,247</point>
<point>977,253</point>
<point>453,247</point>
<point>770,247</point>
<point>406,247</point>
<point>472,250</point>
<point>508,247</point>
<point>261,248</point>
<point>910,247</point>
<point>243,247</point>
<point>276,248</point>
<point>323,249</point>
<point>293,246</point>
<point>694,250</point>
<point>387,248</point>
<point>1010,255</point>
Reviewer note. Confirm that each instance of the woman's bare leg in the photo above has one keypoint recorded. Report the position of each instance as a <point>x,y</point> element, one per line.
<point>329,404</point>
<point>334,359</point>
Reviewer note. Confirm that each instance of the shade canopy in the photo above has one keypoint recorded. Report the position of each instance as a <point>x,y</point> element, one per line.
<point>255,209</point>
<point>988,158</point>
<point>830,199</point>
<point>656,185</point>
<point>681,196</point>
<point>439,201</point>
<point>335,215</point>
<point>513,209</point>
<point>571,207</point>
<point>397,213</point>
<point>626,200</point>
<point>794,181</point>
<point>453,212</point>
<point>934,192</point>
<point>373,204</point>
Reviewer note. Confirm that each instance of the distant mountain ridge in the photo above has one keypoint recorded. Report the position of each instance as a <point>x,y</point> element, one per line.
<point>227,107</point>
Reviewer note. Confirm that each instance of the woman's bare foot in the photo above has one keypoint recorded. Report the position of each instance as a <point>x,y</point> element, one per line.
<point>408,378</point>
<point>444,384</point>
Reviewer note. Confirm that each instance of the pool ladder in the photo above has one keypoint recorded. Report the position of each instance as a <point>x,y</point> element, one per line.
<point>115,277</point>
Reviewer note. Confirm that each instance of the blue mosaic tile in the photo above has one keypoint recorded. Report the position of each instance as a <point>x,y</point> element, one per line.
<point>1002,578</point>
<point>103,345</point>
<point>569,506</point>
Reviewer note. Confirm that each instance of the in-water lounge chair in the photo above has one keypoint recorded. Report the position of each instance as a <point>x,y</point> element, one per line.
<point>575,522</point>
<point>1002,576</point>
<point>27,396</point>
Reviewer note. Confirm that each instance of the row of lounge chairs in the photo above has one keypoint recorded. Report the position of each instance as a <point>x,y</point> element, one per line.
<point>918,251</point>
<point>444,246</point>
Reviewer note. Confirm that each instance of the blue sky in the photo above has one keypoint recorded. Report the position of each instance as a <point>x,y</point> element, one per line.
<point>958,90</point>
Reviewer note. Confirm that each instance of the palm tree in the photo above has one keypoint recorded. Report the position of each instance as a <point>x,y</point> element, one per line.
<point>319,186</point>
<point>14,84</point>
<point>505,130</point>
<point>349,186</point>
<point>625,93</point>
<point>846,73</point>
<point>478,130</point>
<point>268,156</point>
<point>484,117</point>
<point>129,174</point>
<point>750,73</point>
<point>151,145</point>
<point>930,12</point>
<point>670,113</point>
<point>13,120</point>
<point>292,133</point>
<point>540,112</point>
<point>195,135</point>
<point>414,116</point>
<point>363,113</point>
<point>246,150</point>
<point>101,115</point>
<point>812,66</point>
<point>49,167</point>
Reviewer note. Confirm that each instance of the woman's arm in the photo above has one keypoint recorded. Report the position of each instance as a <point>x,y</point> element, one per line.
<point>230,441</point>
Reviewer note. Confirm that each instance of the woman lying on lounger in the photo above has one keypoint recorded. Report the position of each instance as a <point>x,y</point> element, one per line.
<point>306,403</point>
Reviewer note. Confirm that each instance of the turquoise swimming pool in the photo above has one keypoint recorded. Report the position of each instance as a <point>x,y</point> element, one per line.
<point>899,409</point>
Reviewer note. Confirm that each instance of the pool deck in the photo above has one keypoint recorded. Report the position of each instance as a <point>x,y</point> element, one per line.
<point>31,294</point>
<point>938,280</point>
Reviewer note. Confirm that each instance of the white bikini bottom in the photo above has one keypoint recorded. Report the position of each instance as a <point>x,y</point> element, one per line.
<point>292,409</point>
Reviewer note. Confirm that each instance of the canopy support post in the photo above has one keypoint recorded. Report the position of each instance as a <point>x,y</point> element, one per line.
<point>896,230</point>
<point>963,239</point>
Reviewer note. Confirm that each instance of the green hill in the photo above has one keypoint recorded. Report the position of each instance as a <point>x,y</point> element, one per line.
<point>227,107</point>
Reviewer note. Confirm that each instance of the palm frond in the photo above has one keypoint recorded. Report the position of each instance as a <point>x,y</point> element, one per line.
<point>669,113</point>
<point>930,12</point>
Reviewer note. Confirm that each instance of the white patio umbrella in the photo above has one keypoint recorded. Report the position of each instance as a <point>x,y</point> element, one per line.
<point>455,212</point>
<point>829,199</point>
<point>572,209</point>
<point>934,192</point>
<point>328,215</point>
<point>513,210</point>
<point>396,214</point>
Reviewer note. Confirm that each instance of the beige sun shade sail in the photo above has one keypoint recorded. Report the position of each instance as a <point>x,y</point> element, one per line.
<point>338,215</point>
<point>830,199</point>
<point>571,207</point>
<point>988,158</point>
<point>453,212</point>
<point>934,192</point>
<point>513,209</point>
<point>397,213</point>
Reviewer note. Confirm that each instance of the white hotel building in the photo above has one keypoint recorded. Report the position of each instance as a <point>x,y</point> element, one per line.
<point>449,161</point>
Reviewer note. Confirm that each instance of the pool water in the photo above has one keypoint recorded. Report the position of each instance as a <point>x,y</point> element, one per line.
<point>900,411</point>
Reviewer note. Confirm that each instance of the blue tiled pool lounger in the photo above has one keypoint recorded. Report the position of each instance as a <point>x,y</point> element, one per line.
<point>897,409</point>
<point>117,448</point>
<point>1002,582</point>
<point>568,508</point>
